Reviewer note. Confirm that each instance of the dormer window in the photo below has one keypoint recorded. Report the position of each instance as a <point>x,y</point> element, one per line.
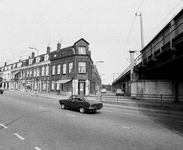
<point>30,61</point>
<point>38,59</point>
<point>46,57</point>
<point>82,50</point>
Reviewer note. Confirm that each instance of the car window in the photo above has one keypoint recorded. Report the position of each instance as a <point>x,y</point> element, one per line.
<point>79,99</point>
<point>71,98</point>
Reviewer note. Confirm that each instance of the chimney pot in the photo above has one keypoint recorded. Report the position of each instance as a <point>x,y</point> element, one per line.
<point>33,54</point>
<point>58,46</point>
<point>48,49</point>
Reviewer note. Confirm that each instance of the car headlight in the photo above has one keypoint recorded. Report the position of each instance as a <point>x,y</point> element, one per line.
<point>91,107</point>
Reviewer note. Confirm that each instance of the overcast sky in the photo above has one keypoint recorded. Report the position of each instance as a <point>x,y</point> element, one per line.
<point>105,24</point>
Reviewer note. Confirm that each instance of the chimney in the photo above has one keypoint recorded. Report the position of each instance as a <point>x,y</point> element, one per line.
<point>58,46</point>
<point>33,54</point>
<point>5,63</point>
<point>48,49</point>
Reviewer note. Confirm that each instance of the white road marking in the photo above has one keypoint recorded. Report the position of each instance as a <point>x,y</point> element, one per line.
<point>3,126</point>
<point>42,108</point>
<point>71,115</point>
<point>125,127</point>
<point>19,136</point>
<point>37,148</point>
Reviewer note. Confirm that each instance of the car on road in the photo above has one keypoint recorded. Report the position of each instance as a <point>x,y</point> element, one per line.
<point>80,103</point>
<point>119,92</point>
<point>103,90</point>
<point>1,90</point>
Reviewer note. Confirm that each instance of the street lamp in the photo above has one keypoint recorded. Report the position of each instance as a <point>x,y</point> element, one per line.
<point>36,69</point>
<point>34,49</point>
<point>98,62</point>
<point>114,74</point>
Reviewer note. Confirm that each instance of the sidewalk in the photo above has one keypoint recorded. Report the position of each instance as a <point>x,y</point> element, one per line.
<point>169,108</point>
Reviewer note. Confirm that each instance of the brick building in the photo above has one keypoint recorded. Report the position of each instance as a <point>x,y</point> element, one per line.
<point>72,70</point>
<point>64,71</point>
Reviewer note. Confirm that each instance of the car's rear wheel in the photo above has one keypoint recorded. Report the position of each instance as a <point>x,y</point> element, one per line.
<point>62,106</point>
<point>81,110</point>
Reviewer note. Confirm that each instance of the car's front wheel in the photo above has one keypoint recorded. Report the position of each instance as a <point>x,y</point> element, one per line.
<point>62,106</point>
<point>81,110</point>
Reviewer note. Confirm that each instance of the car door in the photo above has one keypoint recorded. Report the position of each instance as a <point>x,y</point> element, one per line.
<point>77,102</point>
<point>70,102</point>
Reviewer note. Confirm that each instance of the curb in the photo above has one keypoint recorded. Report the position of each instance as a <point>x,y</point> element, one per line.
<point>135,108</point>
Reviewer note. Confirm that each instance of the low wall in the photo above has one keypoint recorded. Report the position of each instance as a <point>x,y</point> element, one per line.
<point>156,87</point>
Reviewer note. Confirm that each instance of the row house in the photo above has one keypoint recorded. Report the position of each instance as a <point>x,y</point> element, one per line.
<point>65,71</point>
<point>72,70</point>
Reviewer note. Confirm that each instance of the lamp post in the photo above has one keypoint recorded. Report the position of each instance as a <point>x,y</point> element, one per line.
<point>114,74</point>
<point>95,66</point>
<point>98,62</point>
<point>36,69</point>
<point>34,49</point>
<point>141,29</point>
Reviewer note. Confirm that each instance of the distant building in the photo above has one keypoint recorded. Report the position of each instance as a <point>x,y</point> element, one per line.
<point>64,71</point>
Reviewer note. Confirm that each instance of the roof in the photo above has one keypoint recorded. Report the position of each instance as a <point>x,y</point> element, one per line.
<point>81,40</point>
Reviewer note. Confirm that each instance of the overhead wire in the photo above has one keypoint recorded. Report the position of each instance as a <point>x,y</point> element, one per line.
<point>132,25</point>
<point>164,18</point>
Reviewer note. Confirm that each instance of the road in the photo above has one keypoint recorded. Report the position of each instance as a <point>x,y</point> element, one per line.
<point>36,123</point>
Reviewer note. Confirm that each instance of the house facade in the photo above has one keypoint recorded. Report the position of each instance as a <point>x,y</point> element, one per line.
<point>64,71</point>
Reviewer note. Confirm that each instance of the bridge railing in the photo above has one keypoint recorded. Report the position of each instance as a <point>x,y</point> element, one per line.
<point>122,74</point>
<point>163,40</point>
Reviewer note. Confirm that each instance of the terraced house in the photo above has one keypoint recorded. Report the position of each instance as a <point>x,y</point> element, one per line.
<point>64,71</point>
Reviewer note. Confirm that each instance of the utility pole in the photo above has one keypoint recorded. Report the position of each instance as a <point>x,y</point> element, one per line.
<point>141,29</point>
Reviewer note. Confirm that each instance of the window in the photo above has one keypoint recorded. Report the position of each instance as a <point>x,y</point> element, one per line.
<point>44,85</point>
<point>53,70</point>
<point>58,86</point>
<point>38,59</point>
<point>46,57</point>
<point>43,70</point>
<point>47,70</point>
<point>30,61</point>
<point>64,69</point>
<point>70,67</point>
<point>37,71</point>
<point>27,72</point>
<point>82,67</point>
<point>82,50</point>
<point>30,73</point>
<point>58,69</point>
<point>34,72</point>
<point>52,85</point>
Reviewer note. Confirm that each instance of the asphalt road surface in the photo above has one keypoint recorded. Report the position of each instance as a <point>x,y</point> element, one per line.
<point>37,123</point>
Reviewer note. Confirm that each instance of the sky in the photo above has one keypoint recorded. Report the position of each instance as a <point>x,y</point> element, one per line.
<point>110,26</point>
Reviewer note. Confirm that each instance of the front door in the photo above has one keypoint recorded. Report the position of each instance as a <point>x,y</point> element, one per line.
<point>81,88</point>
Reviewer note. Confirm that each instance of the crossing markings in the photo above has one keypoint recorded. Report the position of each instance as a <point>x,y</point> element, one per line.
<point>3,126</point>
<point>37,148</point>
<point>71,115</point>
<point>19,136</point>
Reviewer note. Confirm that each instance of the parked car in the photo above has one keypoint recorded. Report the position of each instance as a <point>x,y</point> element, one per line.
<point>1,90</point>
<point>80,103</point>
<point>119,92</point>
<point>103,90</point>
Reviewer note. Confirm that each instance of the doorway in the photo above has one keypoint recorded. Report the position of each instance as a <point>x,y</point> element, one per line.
<point>81,87</point>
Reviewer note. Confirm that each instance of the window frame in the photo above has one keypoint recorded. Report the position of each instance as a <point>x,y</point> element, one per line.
<point>82,50</point>
<point>53,70</point>
<point>64,68</point>
<point>71,64</point>
<point>82,67</point>
<point>58,69</point>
